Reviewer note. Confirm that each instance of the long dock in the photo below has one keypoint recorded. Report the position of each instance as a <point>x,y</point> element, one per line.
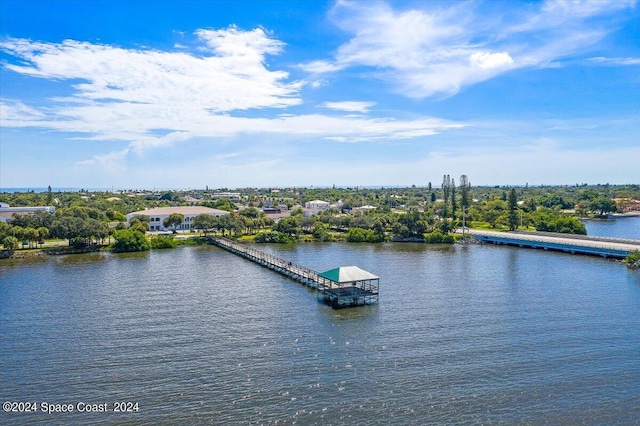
<point>568,243</point>
<point>340,288</point>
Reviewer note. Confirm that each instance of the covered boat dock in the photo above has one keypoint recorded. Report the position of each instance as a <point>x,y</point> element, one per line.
<point>348,286</point>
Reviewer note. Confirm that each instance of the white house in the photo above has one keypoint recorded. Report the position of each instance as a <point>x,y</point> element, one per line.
<point>159,214</point>
<point>316,205</point>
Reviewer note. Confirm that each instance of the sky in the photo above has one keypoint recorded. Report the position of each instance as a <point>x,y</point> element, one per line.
<point>231,94</point>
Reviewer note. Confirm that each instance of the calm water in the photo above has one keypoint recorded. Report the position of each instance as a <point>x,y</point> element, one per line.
<point>621,227</point>
<point>466,334</point>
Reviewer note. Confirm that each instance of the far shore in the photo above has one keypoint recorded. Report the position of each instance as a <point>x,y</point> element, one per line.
<point>626,214</point>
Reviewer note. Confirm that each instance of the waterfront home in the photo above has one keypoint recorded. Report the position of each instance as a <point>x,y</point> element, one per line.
<point>158,215</point>
<point>627,205</point>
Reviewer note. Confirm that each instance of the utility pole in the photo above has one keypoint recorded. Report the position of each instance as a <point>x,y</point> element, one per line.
<point>520,218</point>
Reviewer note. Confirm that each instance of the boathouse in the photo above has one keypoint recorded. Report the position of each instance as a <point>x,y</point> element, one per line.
<point>348,286</point>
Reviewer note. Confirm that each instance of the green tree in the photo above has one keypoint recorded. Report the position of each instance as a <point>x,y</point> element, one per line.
<point>130,241</point>
<point>465,188</point>
<point>42,234</point>
<point>34,220</point>
<point>454,202</point>
<point>274,237</point>
<point>204,222</point>
<point>446,190</point>
<point>379,227</point>
<point>67,227</point>
<point>357,235</point>
<point>115,216</point>
<point>5,230</point>
<point>173,220</point>
<point>412,224</point>
<point>137,224</point>
<point>230,223</point>
<point>360,235</point>
<point>10,242</point>
<point>513,212</point>
<point>221,204</point>
<point>550,220</point>
<point>288,225</point>
<point>251,212</point>
<point>602,205</point>
<point>492,210</point>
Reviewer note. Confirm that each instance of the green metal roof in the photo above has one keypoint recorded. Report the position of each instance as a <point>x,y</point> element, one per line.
<point>347,274</point>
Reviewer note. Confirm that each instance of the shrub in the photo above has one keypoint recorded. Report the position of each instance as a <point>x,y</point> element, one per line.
<point>275,237</point>
<point>552,221</point>
<point>163,242</point>
<point>128,241</point>
<point>633,259</point>
<point>437,237</point>
<point>78,243</point>
<point>357,235</point>
<point>360,235</point>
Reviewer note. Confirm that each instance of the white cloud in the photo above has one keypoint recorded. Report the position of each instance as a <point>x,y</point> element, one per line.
<point>615,61</point>
<point>17,114</point>
<point>320,67</point>
<point>112,161</point>
<point>151,98</point>
<point>443,48</point>
<point>232,42</point>
<point>316,84</point>
<point>489,61</point>
<point>228,81</point>
<point>349,106</point>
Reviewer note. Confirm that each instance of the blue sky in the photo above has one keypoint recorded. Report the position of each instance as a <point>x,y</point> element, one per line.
<point>179,94</point>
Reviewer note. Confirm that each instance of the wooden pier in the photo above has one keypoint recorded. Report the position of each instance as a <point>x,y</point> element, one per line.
<point>340,288</point>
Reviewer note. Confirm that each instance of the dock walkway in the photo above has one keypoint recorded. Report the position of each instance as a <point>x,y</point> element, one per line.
<point>357,288</point>
<point>299,273</point>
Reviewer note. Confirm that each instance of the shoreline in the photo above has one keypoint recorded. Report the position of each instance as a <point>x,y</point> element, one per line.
<point>5,254</point>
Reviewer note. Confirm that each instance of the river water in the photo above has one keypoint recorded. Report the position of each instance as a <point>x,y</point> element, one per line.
<point>464,334</point>
<point>620,227</point>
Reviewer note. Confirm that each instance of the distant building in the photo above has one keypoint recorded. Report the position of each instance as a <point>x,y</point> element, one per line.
<point>363,209</point>
<point>627,205</point>
<point>192,200</point>
<point>336,206</point>
<point>316,205</point>
<point>228,195</point>
<point>271,210</point>
<point>7,212</point>
<point>159,214</point>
